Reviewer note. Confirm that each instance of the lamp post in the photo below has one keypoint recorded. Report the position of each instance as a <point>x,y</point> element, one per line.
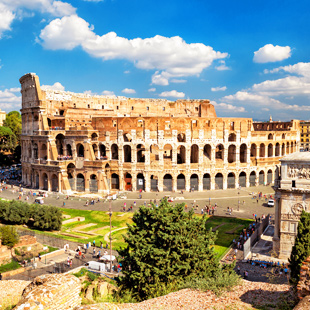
<point>110,214</point>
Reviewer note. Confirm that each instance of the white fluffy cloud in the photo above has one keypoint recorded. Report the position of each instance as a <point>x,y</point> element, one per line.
<point>108,93</point>
<point>178,81</point>
<point>128,91</point>
<point>227,107</point>
<point>223,88</point>
<point>222,66</point>
<point>152,89</point>
<point>271,53</point>
<point>11,9</point>
<point>172,93</point>
<point>170,57</point>
<point>56,86</point>
<point>9,101</point>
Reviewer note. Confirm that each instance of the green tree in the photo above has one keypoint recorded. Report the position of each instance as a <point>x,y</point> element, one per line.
<point>13,121</point>
<point>165,245</point>
<point>7,139</point>
<point>9,236</point>
<point>301,248</point>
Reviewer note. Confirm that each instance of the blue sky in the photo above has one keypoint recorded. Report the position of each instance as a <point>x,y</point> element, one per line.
<point>249,58</point>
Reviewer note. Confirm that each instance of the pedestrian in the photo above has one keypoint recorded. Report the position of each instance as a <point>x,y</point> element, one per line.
<point>39,257</point>
<point>134,203</point>
<point>256,200</point>
<point>238,270</point>
<point>94,243</point>
<point>201,211</point>
<point>101,245</point>
<point>70,263</point>
<point>106,246</point>
<point>85,248</point>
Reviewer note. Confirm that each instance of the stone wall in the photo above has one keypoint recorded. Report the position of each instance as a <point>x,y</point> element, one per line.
<point>53,292</point>
<point>26,240</point>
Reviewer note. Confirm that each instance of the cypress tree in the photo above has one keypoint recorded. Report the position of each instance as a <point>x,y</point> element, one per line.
<point>301,248</point>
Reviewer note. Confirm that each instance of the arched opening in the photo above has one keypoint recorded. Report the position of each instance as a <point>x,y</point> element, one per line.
<point>140,181</point>
<point>242,179</point>
<point>292,147</point>
<point>261,177</point>
<point>60,144</point>
<point>49,122</point>
<point>127,153</point>
<point>283,149</point>
<point>69,150</point>
<point>277,150</point>
<point>269,176</point>
<point>102,150</point>
<point>35,151</point>
<point>154,152</point>
<point>253,150</point>
<point>154,183</point>
<point>270,136</point>
<point>43,151</point>
<point>219,152</point>
<point>36,184</point>
<point>128,180</point>
<point>181,137</point>
<point>80,183</point>
<point>219,181</point>
<point>194,181</point>
<point>95,149</point>
<point>114,181</point>
<point>262,150</point>
<point>243,153</point>
<point>45,181</point>
<point>207,152</point>
<point>231,180</point>
<point>127,137</point>
<point>287,148</point>
<point>168,152</point>
<point>93,184</point>
<point>140,153</point>
<point>94,136</point>
<point>231,153</point>
<point>114,152</point>
<point>80,150</point>
<point>167,183</point>
<point>70,173</point>
<point>270,150</point>
<point>252,178</point>
<point>54,183</point>
<point>283,136</point>
<point>232,137</point>
<point>181,182</point>
<point>181,155</point>
<point>194,154</point>
<point>206,180</point>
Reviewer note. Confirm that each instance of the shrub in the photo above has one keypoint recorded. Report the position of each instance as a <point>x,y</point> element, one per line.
<point>9,236</point>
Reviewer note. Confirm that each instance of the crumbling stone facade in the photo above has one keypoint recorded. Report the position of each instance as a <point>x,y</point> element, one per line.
<point>76,142</point>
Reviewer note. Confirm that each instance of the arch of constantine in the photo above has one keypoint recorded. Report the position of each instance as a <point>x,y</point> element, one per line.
<point>77,142</point>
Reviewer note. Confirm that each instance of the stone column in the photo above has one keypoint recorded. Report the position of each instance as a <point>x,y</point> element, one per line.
<point>200,182</point>
<point>225,154</point>
<point>160,183</point>
<point>121,179</point>
<point>147,184</point>
<point>212,181</point>
<point>134,181</point>
<point>247,179</point>
<point>48,183</point>
<point>86,180</point>
<point>187,182</point>
<point>174,156</point>
<point>224,180</point>
<point>238,154</point>
<point>174,183</point>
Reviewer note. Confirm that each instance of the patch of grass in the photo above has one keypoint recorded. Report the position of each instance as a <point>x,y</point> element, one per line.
<point>13,265</point>
<point>49,250</point>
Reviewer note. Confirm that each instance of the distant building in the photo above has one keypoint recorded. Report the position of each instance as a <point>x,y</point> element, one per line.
<point>292,195</point>
<point>305,135</point>
<point>2,117</point>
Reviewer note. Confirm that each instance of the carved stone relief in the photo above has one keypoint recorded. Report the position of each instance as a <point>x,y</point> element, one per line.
<point>298,171</point>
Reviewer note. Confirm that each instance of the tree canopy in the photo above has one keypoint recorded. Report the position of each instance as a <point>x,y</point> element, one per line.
<point>13,121</point>
<point>165,245</point>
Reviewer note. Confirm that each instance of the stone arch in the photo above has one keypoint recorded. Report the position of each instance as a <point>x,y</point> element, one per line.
<point>252,178</point>
<point>253,150</point>
<point>207,152</point>
<point>94,136</point>
<point>231,180</point>
<point>140,153</point>
<point>283,136</point>
<point>128,181</point>
<point>167,182</point>
<point>95,149</point>
<point>194,159</point>
<point>181,137</point>
<point>232,137</point>
<point>103,151</point>
<point>154,152</point>
<point>219,152</point>
<point>43,151</point>
<point>206,181</point>
<point>140,182</point>
<point>69,150</point>
<point>243,153</point>
<point>80,183</point>
<point>114,181</point>
<point>231,153</point>
<point>283,149</point>
<point>261,177</point>
<point>292,147</point>
<point>35,151</point>
<point>270,150</point>
<point>242,179</point>
<point>194,182</point>
<point>93,183</point>
<point>154,183</point>
<point>181,182</point>
<point>168,152</point>
<point>127,153</point>
<point>287,148</point>
<point>54,181</point>
<point>60,145</point>
<point>277,150</point>
<point>219,181</point>
<point>114,152</point>
<point>36,180</point>
<point>269,176</point>
<point>127,137</point>
<point>262,150</point>
<point>181,155</point>
<point>270,136</point>
<point>80,150</point>
<point>45,181</point>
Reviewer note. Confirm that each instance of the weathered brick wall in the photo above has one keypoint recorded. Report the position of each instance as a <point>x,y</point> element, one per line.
<point>303,287</point>
<point>5,255</point>
<point>53,292</point>
<point>26,240</point>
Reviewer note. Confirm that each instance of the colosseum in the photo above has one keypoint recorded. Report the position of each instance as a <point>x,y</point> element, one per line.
<point>80,143</point>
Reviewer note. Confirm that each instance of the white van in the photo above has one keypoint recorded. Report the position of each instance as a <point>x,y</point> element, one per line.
<point>39,200</point>
<point>96,266</point>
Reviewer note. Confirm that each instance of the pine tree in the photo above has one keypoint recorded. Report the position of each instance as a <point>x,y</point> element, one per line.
<point>301,248</point>
<point>165,245</point>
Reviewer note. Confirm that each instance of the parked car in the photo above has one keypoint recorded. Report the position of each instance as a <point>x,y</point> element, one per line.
<point>39,200</point>
<point>96,266</point>
<point>270,203</point>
